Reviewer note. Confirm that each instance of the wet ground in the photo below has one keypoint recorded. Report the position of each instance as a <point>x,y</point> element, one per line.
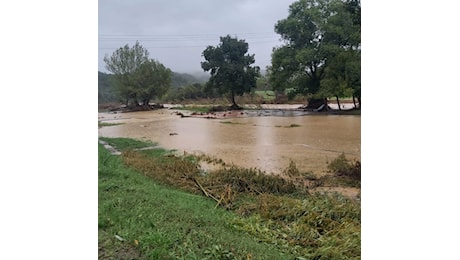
<point>266,139</point>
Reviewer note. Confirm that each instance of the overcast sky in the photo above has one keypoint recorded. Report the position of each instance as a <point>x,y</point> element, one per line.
<point>177,31</point>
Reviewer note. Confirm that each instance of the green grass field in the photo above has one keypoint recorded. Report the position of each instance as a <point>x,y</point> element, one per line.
<point>156,222</point>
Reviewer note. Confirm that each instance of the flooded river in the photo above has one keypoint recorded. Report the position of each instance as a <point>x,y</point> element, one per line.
<point>264,142</point>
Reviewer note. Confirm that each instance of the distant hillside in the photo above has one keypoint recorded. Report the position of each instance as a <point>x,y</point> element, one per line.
<point>185,79</point>
<point>107,92</point>
<point>202,76</point>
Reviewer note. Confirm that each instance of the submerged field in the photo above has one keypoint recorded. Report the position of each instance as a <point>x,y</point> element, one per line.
<point>155,204</point>
<point>267,141</point>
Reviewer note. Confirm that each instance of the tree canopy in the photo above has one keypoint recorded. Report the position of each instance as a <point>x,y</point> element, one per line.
<point>321,55</point>
<point>138,78</point>
<point>230,67</point>
<point>106,91</point>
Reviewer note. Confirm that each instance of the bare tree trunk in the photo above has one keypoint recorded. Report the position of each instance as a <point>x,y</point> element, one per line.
<point>136,102</point>
<point>354,102</point>
<point>234,105</point>
<point>338,102</point>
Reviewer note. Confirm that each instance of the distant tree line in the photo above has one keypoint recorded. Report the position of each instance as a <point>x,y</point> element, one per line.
<point>137,78</point>
<point>106,88</point>
<point>320,58</point>
<point>183,86</point>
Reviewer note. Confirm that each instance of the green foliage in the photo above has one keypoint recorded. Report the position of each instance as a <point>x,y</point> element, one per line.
<point>344,172</point>
<point>292,170</point>
<point>230,67</point>
<point>102,124</point>
<point>248,181</point>
<point>341,166</point>
<point>137,76</point>
<point>106,88</point>
<point>321,57</point>
<point>224,184</point>
<point>266,95</point>
<point>316,227</point>
<point>153,80</point>
<point>343,73</point>
<point>263,83</point>
<point>188,87</point>
<point>300,64</point>
<point>121,143</point>
<point>189,92</point>
<point>217,252</point>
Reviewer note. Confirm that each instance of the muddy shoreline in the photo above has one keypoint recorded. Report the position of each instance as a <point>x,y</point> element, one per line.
<point>264,112</point>
<point>221,112</point>
<point>256,139</point>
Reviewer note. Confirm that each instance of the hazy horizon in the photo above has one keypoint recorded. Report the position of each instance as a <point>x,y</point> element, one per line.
<point>176,32</point>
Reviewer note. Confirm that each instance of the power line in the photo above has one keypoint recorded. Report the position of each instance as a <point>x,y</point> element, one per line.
<point>174,41</point>
<point>182,37</point>
<point>182,46</point>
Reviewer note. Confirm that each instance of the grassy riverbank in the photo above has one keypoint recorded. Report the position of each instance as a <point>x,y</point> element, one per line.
<point>156,222</point>
<point>158,212</point>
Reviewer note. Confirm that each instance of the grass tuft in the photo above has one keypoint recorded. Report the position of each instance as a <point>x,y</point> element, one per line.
<point>343,172</point>
<point>121,143</point>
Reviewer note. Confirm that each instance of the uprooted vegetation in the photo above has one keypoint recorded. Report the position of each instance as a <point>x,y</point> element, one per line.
<point>344,172</point>
<point>223,185</point>
<point>277,210</point>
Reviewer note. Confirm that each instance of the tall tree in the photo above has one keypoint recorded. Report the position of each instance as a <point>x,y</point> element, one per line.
<point>341,74</point>
<point>137,76</point>
<point>343,33</point>
<point>300,63</point>
<point>230,67</point>
<point>153,80</point>
<point>315,32</point>
<point>353,7</point>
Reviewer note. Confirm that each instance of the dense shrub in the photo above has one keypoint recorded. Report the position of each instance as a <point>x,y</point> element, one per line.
<point>341,166</point>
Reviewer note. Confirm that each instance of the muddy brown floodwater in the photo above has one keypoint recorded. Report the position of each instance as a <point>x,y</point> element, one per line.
<point>264,142</point>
